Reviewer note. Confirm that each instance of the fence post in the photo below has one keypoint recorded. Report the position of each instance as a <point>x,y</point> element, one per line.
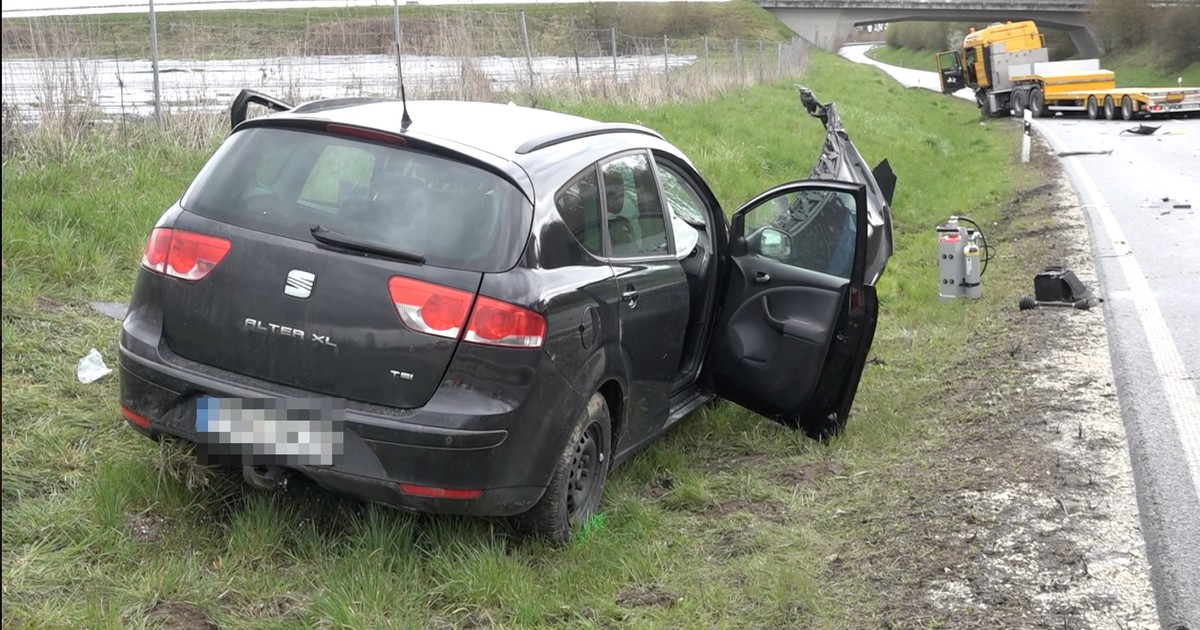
<point>528,51</point>
<point>666,57</point>
<point>779,61</point>
<point>154,66</point>
<point>396,28</point>
<point>737,59</point>
<point>614,51</point>
<point>707,67</point>
<point>761,69</point>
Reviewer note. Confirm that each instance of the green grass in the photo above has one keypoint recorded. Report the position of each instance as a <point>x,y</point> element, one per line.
<point>1140,68</point>
<point>730,521</point>
<point>1145,68</point>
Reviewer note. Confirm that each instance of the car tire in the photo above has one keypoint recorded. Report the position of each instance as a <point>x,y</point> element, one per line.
<point>1127,111</point>
<point>573,496</point>
<point>1110,110</point>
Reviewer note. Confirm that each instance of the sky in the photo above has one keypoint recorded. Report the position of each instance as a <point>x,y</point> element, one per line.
<point>24,8</point>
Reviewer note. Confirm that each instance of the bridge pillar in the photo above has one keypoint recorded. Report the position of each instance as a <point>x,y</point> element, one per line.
<point>823,28</point>
<point>1084,40</point>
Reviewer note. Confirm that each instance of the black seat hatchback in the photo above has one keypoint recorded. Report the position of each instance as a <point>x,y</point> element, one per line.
<point>483,310</point>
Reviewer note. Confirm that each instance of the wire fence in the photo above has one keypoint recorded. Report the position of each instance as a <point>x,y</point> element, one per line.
<point>76,70</point>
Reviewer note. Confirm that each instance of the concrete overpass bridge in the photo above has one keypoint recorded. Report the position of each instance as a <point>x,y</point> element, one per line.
<point>827,23</point>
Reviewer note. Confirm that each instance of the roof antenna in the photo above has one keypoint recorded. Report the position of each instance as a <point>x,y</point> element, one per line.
<point>405,119</point>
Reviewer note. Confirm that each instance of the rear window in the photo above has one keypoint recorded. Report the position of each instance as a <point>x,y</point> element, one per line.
<point>283,182</point>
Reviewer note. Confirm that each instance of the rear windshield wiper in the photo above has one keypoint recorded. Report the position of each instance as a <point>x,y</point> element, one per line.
<point>329,237</point>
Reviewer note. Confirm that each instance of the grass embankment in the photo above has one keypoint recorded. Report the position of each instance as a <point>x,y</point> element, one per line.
<point>729,521</point>
<point>1140,68</point>
<point>554,29</point>
<point>915,58</point>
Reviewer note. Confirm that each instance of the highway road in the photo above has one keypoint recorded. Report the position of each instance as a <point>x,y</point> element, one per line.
<point>1143,206</point>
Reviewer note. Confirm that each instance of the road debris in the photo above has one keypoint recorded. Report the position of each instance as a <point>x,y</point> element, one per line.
<point>115,310</point>
<point>1072,153</point>
<point>91,368</point>
<point>1142,130</point>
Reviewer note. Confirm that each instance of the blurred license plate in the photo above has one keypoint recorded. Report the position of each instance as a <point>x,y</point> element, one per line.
<point>1174,97</point>
<point>281,431</point>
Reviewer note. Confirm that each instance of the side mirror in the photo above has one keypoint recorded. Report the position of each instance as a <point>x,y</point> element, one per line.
<point>774,243</point>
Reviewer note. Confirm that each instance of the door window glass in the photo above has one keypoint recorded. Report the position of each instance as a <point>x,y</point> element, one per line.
<point>579,205</point>
<point>688,214</point>
<point>636,226</point>
<point>812,229</point>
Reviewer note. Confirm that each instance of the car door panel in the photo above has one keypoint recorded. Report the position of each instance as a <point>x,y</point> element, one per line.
<point>781,342</point>
<point>652,288</point>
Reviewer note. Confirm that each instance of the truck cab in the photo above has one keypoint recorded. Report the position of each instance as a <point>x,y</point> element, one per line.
<point>983,61</point>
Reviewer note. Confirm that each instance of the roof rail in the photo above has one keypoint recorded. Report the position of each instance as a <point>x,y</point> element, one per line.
<point>560,137</point>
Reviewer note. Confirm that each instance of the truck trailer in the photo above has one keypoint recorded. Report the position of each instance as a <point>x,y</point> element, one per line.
<point>1008,68</point>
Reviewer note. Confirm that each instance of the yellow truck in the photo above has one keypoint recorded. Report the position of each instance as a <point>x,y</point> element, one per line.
<point>1008,68</point>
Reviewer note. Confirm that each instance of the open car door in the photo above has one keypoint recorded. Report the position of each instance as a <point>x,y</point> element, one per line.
<point>789,338</point>
<point>800,306</point>
<point>950,71</point>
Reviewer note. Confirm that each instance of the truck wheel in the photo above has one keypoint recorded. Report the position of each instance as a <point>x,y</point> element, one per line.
<point>578,480</point>
<point>1037,103</point>
<point>1110,110</point>
<point>1093,108</point>
<point>1127,110</point>
<point>1018,104</point>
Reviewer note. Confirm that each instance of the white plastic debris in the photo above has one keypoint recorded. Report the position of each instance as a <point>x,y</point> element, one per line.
<point>91,368</point>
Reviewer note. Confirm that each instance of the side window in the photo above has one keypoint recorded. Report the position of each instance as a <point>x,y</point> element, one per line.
<point>683,202</point>
<point>812,229</point>
<point>339,170</point>
<point>636,226</point>
<point>579,205</point>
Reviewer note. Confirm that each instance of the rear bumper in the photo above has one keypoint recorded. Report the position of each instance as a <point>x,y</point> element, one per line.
<point>507,456</point>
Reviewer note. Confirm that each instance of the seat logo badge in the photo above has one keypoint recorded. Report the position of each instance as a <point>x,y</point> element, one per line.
<point>299,283</point>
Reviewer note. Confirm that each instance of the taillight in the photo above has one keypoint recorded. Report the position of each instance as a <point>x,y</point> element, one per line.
<point>501,324</point>
<point>442,311</point>
<point>183,255</point>
<point>430,308</point>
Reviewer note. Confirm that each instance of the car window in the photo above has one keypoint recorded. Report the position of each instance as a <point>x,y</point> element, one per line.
<point>812,229</point>
<point>579,205</point>
<point>682,200</point>
<point>636,225</point>
<point>284,181</point>
<point>338,170</point>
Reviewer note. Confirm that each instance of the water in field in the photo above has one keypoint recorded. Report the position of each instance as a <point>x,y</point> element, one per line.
<point>116,86</point>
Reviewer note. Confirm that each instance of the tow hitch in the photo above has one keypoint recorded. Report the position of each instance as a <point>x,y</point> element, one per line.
<point>268,478</point>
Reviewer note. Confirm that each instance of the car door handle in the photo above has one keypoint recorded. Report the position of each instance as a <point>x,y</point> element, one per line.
<point>762,277</point>
<point>790,326</point>
<point>630,295</point>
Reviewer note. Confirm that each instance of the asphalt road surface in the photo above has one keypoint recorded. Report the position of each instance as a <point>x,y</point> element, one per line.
<point>1142,197</point>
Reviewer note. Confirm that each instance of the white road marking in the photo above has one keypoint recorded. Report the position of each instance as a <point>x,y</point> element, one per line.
<point>1182,400</point>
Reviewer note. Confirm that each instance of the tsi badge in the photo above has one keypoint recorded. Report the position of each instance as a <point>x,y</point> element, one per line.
<point>299,283</point>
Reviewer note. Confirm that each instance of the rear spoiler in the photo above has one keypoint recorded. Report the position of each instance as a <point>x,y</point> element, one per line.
<point>237,112</point>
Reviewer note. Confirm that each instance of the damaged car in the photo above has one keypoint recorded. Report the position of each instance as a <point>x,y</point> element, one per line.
<point>478,308</point>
